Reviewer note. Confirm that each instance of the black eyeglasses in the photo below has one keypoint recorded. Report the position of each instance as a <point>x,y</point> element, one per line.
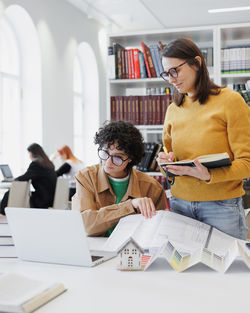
<point>172,72</point>
<point>116,160</point>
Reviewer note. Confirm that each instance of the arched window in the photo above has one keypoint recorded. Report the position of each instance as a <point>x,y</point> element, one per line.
<point>10,90</point>
<point>78,108</point>
<point>20,87</point>
<point>86,104</point>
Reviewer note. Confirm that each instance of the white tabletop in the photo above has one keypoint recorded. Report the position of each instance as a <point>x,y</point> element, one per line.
<point>159,289</point>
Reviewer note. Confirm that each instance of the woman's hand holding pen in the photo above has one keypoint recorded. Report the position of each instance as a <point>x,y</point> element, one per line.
<point>199,171</point>
<point>165,157</point>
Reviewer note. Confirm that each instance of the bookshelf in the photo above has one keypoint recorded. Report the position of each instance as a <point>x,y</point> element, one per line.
<point>232,36</point>
<point>217,37</point>
<point>203,36</point>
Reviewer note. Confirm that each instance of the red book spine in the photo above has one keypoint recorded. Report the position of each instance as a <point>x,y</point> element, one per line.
<point>129,64</point>
<point>132,64</point>
<point>136,63</point>
<point>146,59</point>
<point>150,61</point>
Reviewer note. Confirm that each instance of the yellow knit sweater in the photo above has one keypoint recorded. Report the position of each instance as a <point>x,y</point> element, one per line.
<point>222,124</point>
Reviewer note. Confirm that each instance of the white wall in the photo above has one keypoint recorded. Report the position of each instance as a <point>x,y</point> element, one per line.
<point>61,27</point>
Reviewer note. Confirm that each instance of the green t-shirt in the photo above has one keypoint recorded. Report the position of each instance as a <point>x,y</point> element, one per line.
<point>119,186</point>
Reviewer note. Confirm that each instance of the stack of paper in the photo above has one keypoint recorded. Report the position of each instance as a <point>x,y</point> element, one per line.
<point>181,240</point>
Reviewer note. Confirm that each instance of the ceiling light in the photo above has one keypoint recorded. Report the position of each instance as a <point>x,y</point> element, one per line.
<point>228,9</point>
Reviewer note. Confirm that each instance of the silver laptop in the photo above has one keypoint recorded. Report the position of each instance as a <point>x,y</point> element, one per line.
<point>7,174</point>
<point>52,236</point>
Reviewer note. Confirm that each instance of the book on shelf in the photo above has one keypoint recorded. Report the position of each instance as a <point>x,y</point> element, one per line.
<point>23,294</point>
<point>155,52</point>
<point>140,110</point>
<point>111,66</point>
<point>235,60</point>
<point>148,60</point>
<point>118,59</point>
<point>209,160</point>
<point>141,164</point>
<point>181,240</point>
<point>136,61</point>
<point>155,63</point>
<point>153,164</point>
<point>159,58</point>
<point>150,147</point>
<point>143,70</point>
<point>148,163</point>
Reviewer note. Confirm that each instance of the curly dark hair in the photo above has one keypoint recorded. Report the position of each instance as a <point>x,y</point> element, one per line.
<point>127,136</point>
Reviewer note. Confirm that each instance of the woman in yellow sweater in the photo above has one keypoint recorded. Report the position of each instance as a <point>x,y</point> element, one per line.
<point>205,119</point>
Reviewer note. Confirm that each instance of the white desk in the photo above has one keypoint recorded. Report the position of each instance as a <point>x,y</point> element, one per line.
<point>103,289</point>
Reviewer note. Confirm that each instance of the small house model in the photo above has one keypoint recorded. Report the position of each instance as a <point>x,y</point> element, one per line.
<point>132,257</point>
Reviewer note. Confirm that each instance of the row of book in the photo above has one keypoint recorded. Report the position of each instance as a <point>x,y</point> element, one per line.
<point>140,110</point>
<point>235,60</point>
<point>134,63</point>
<point>148,163</point>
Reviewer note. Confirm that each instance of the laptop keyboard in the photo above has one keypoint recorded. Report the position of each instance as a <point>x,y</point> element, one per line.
<point>95,257</point>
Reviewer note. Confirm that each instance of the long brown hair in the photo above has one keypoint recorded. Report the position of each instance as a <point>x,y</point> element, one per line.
<point>39,154</point>
<point>186,49</point>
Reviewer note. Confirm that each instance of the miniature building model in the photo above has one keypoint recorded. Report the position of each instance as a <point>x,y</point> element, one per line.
<point>132,257</point>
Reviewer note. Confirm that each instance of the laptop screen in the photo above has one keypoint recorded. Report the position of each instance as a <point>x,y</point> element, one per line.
<point>6,171</point>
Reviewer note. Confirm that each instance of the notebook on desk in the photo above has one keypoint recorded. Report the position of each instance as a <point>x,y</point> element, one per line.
<point>52,236</point>
<point>7,174</point>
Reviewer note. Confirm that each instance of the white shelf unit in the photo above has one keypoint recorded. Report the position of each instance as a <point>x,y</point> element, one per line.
<point>234,35</point>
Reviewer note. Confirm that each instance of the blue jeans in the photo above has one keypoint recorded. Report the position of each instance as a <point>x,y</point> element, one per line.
<point>225,215</point>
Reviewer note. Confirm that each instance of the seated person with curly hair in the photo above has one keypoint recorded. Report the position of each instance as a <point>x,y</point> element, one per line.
<point>113,189</point>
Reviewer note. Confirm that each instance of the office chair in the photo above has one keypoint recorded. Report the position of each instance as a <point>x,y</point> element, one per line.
<point>19,195</point>
<point>61,194</point>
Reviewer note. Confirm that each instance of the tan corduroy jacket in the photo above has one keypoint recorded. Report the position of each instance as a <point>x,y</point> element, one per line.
<point>96,200</point>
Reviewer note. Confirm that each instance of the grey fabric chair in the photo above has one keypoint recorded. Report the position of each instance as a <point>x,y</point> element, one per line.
<point>19,195</point>
<point>61,194</point>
